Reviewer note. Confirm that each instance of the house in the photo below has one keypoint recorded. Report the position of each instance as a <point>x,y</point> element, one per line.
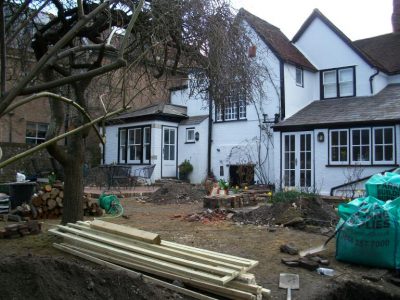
<point>351,130</point>
<point>328,117</point>
<point>233,141</point>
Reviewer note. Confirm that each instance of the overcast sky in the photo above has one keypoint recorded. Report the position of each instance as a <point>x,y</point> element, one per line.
<point>356,18</point>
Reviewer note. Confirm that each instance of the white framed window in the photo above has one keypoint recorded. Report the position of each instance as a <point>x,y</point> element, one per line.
<point>383,139</point>
<point>360,145</point>
<point>338,83</point>
<point>134,145</point>
<point>242,109</point>
<point>190,135</point>
<point>339,142</point>
<point>299,77</point>
<point>231,110</point>
<point>146,144</point>
<point>35,133</point>
<point>122,145</point>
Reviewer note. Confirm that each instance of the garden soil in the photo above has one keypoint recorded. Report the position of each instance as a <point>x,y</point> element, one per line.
<point>177,192</point>
<point>23,269</point>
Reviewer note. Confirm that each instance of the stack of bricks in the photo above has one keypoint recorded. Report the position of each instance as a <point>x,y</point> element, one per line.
<point>20,229</point>
<point>246,198</point>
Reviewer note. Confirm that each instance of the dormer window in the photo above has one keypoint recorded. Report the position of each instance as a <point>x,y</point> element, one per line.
<point>299,77</point>
<point>338,83</point>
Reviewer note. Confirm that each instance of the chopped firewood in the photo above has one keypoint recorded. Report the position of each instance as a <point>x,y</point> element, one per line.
<point>54,193</point>
<point>47,188</point>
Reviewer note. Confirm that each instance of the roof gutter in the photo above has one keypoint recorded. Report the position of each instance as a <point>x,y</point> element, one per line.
<point>371,79</point>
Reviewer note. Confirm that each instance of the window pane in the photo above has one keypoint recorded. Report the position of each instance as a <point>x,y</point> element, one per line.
<point>346,75</point>
<point>365,153</point>
<point>131,137</point>
<point>166,152</point>
<point>292,160</point>
<point>308,159</point>
<point>343,138</point>
<point>292,143</point>
<point>388,153</point>
<point>388,136</point>
<point>286,143</point>
<point>172,136</point>
<point>292,183</point>
<point>308,140</point>
<point>356,154</point>
<point>346,89</point>
<point>378,136</point>
<point>335,138</point>
<point>365,137</point>
<point>343,153</point>
<point>122,137</point>
<point>286,160</point>
<point>330,91</point>
<point>172,153</point>
<point>329,77</point>
<point>146,137</point>
<point>356,137</point>
<point>302,142</point>
<point>379,153</point>
<point>335,154</point>
<point>166,136</point>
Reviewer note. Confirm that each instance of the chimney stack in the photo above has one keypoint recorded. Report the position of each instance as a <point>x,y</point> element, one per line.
<point>396,16</point>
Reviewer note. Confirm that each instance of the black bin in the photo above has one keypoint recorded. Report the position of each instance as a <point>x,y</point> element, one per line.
<point>21,192</point>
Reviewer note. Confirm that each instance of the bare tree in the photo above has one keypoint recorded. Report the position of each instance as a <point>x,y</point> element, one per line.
<point>75,42</point>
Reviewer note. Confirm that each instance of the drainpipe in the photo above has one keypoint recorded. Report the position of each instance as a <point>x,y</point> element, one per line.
<point>210,123</point>
<point>371,79</point>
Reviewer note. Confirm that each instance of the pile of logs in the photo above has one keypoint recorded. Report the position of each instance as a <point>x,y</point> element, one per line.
<point>48,202</point>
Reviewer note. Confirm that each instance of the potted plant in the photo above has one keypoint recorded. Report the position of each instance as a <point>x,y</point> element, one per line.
<point>223,187</point>
<point>185,168</point>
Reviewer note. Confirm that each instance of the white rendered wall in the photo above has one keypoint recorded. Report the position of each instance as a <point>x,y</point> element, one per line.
<point>235,142</point>
<point>195,105</point>
<point>196,152</point>
<point>111,146</point>
<point>326,50</point>
<point>326,177</point>
<point>297,97</point>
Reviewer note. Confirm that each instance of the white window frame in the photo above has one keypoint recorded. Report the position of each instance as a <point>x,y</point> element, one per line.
<point>135,145</point>
<point>122,145</point>
<point>384,162</point>
<point>360,145</point>
<point>35,139</point>
<point>338,83</point>
<point>231,110</point>
<point>188,139</point>
<point>146,144</point>
<point>301,77</point>
<point>332,162</point>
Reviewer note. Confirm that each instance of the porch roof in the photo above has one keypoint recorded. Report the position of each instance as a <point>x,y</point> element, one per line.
<point>155,112</point>
<point>195,120</point>
<point>382,108</point>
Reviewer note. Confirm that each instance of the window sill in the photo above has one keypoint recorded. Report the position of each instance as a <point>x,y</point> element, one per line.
<point>229,121</point>
<point>134,164</point>
<point>360,165</point>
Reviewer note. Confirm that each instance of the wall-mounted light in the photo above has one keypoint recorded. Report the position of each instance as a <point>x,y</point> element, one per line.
<point>320,137</point>
<point>197,136</point>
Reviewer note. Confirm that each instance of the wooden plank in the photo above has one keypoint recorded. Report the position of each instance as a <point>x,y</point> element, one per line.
<point>158,282</point>
<point>210,287</point>
<point>246,278</point>
<point>266,293</point>
<point>127,231</point>
<point>145,259</point>
<point>150,253</point>
<point>162,249</point>
<point>211,254</point>
<point>230,259</point>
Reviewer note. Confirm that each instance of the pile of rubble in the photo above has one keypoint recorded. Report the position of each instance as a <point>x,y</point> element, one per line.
<point>209,216</point>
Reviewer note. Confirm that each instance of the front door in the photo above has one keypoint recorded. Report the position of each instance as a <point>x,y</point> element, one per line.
<point>297,160</point>
<point>169,152</point>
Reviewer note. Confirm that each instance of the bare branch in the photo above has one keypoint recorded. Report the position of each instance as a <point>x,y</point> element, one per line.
<point>60,137</point>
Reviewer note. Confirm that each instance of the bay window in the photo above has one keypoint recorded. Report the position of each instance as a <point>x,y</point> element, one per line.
<point>134,145</point>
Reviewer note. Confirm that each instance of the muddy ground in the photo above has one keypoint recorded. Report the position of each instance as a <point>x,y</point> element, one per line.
<point>251,241</point>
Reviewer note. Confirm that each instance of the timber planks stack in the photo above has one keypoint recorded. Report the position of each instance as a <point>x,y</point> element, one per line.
<point>129,248</point>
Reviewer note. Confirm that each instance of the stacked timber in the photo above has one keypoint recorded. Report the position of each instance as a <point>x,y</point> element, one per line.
<point>48,203</point>
<point>123,247</point>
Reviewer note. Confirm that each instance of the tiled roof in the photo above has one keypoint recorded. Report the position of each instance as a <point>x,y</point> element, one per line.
<point>381,108</point>
<point>276,40</point>
<point>161,109</point>
<point>194,120</point>
<point>384,50</point>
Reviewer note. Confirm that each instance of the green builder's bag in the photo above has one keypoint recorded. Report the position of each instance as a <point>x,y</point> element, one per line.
<point>384,187</point>
<point>370,233</point>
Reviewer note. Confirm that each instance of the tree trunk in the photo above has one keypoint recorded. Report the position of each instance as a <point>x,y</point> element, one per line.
<point>73,185</point>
